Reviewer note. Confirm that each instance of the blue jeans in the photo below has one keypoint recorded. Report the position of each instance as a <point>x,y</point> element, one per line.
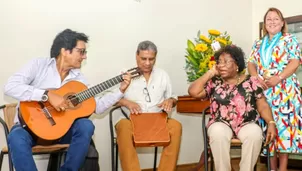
<point>20,143</point>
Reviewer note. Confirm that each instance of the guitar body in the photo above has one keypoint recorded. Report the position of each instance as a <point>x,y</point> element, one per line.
<point>33,116</point>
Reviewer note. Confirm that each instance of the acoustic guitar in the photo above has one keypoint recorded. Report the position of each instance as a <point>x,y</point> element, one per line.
<point>46,123</point>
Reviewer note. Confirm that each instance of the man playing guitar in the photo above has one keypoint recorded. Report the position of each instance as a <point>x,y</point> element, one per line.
<point>32,83</point>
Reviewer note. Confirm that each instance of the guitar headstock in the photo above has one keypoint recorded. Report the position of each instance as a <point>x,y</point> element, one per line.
<point>135,72</point>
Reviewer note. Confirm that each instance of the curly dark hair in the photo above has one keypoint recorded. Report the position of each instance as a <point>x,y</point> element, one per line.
<point>235,52</point>
<point>66,39</point>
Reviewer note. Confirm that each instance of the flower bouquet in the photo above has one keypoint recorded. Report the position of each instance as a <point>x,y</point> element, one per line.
<point>200,55</point>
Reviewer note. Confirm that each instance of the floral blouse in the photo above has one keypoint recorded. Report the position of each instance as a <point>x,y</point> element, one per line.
<point>234,105</point>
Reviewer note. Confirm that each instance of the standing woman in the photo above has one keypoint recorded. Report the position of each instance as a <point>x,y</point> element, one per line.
<point>274,60</point>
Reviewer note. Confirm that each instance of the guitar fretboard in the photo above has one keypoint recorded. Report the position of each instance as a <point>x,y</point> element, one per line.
<point>86,94</point>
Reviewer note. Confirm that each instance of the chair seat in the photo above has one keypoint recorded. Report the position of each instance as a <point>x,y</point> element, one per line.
<point>43,149</point>
<point>235,142</point>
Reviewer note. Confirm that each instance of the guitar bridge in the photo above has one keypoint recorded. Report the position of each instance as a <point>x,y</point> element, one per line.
<point>47,114</point>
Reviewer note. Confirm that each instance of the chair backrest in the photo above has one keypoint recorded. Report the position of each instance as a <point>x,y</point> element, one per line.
<point>9,113</point>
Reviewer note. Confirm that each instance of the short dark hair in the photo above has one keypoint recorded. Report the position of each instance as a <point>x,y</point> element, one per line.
<point>235,52</point>
<point>146,45</point>
<point>66,39</point>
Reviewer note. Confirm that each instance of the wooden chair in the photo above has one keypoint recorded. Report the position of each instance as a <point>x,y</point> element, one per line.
<point>9,112</point>
<point>235,144</point>
<point>114,145</point>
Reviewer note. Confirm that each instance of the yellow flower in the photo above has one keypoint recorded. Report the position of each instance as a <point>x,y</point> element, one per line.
<point>204,38</point>
<point>211,64</point>
<point>201,47</point>
<point>214,32</point>
<point>202,65</point>
<point>220,40</point>
<point>200,54</point>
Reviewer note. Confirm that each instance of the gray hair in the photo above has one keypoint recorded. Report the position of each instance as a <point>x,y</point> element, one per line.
<point>146,45</point>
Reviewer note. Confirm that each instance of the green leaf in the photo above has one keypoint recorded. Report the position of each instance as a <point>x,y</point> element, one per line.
<point>191,45</point>
<point>197,55</point>
<point>190,52</point>
<point>193,61</point>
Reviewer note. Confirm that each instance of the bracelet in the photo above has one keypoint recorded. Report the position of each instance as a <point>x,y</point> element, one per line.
<point>272,122</point>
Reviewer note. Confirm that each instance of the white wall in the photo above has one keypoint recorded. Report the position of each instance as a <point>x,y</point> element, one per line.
<point>115,28</point>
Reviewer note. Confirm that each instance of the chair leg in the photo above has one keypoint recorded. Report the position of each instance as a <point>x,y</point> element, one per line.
<point>206,158</point>
<point>10,163</point>
<point>54,161</point>
<point>212,161</point>
<point>1,160</point>
<point>50,161</point>
<point>116,157</point>
<point>155,159</point>
<point>112,155</point>
<point>59,160</point>
<point>268,158</point>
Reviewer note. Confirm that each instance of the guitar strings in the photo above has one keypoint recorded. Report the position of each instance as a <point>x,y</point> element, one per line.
<point>51,108</point>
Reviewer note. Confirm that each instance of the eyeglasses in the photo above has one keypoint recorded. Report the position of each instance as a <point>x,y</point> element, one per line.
<point>225,62</point>
<point>82,51</point>
<point>147,97</point>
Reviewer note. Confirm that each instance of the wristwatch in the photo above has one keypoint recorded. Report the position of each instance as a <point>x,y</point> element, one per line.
<point>45,96</point>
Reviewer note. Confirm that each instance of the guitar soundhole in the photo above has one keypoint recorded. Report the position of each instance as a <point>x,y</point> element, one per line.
<point>74,100</point>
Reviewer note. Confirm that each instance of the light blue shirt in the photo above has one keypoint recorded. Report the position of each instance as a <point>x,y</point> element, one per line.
<point>30,83</point>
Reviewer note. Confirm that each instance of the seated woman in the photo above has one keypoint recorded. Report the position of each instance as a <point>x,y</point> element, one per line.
<point>236,102</point>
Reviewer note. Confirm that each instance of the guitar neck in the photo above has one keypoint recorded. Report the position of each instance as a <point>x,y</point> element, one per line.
<point>91,92</point>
